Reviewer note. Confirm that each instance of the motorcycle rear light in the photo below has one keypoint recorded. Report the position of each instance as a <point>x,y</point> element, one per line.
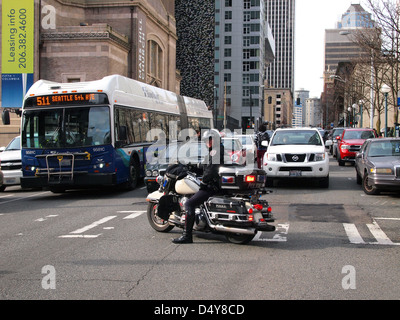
<point>250,210</point>
<point>269,210</point>
<point>250,179</point>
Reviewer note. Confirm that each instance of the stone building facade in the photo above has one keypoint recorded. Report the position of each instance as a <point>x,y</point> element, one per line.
<point>85,40</point>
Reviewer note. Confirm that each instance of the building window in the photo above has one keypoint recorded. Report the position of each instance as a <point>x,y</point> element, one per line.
<point>227,65</point>
<point>155,64</point>
<point>228,40</point>
<point>228,15</point>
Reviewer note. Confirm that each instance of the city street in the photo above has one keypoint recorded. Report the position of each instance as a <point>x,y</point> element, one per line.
<point>335,243</point>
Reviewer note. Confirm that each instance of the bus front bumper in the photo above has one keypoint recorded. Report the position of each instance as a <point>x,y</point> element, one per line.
<point>85,180</point>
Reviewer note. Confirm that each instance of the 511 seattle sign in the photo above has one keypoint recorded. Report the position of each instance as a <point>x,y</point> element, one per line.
<point>17,56</point>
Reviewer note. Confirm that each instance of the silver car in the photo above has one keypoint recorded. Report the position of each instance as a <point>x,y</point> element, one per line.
<point>378,165</point>
<point>11,164</point>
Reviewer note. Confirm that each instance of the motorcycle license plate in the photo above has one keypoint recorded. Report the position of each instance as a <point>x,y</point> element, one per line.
<point>295,173</point>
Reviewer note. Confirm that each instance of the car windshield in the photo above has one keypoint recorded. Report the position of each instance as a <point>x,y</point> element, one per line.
<point>296,137</point>
<point>354,134</point>
<point>15,144</point>
<point>384,149</point>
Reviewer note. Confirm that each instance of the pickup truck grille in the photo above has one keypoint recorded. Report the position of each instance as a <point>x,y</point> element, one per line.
<point>295,157</point>
<point>11,165</point>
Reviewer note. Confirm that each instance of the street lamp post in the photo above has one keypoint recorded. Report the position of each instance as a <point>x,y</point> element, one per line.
<point>386,89</point>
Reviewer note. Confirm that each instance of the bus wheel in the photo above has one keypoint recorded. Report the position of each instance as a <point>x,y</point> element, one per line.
<point>134,174</point>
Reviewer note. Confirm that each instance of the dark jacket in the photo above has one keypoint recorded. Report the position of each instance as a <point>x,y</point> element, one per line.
<point>212,162</point>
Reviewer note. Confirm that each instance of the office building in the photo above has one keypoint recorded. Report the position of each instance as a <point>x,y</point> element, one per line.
<point>281,17</point>
<point>244,46</point>
<point>339,46</point>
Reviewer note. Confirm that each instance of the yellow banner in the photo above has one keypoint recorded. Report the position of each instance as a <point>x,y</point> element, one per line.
<point>17,36</point>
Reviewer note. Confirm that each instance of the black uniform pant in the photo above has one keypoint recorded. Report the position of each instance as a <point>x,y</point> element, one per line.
<point>192,203</point>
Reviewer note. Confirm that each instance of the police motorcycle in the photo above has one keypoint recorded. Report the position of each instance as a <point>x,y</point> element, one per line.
<point>238,212</point>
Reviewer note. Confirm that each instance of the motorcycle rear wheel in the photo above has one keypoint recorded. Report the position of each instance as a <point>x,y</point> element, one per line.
<point>239,238</point>
<point>156,222</point>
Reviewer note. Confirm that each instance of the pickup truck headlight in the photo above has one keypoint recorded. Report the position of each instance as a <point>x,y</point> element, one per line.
<point>271,157</point>
<point>319,156</point>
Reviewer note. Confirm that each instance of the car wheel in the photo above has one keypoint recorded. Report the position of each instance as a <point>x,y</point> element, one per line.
<point>2,188</point>
<point>340,161</point>
<point>367,188</point>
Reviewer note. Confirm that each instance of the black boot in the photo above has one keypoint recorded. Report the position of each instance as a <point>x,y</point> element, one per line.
<point>187,231</point>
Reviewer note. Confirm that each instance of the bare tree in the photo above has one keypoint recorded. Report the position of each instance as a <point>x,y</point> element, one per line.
<point>381,47</point>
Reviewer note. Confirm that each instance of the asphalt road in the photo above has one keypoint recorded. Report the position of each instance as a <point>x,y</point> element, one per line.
<point>335,243</point>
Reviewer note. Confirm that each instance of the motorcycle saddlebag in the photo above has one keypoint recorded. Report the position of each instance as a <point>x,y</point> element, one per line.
<point>167,205</point>
<point>226,205</point>
<point>234,179</point>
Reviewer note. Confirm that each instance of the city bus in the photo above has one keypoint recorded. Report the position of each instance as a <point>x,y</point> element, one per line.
<point>87,134</point>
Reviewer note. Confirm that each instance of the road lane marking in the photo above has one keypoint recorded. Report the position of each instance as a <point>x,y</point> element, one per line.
<point>133,214</point>
<point>353,234</point>
<point>379,235</point>
<point>93,225</point>
<point>282,229</point>
<point>25,197</point>
<point>78,233</point>
<point>45,218</point>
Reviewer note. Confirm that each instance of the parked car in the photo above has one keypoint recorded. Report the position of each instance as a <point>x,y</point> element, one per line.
<point>175,152</point>
<point>350,143</point>
<point>378,165</point>
<point>11,164</point>
<point>297,153</point>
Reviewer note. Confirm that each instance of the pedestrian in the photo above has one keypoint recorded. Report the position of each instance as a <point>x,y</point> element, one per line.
<point>262,135</point>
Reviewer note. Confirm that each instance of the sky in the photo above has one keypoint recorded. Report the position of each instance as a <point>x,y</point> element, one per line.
<point>312,18</point>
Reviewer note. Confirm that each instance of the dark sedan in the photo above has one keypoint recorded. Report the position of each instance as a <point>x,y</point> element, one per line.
<point>378,165</point>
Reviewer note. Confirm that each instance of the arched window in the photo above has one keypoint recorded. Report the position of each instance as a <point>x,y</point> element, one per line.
<point>155,65</point>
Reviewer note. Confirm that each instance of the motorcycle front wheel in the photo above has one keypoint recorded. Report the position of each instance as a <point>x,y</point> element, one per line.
<point>239,238</point>
<point>156,222</point>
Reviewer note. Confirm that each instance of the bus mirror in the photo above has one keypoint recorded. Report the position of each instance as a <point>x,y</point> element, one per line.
<point>6,117</point>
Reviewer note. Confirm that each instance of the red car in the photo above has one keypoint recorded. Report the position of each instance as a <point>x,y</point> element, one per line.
<point>350,143</point>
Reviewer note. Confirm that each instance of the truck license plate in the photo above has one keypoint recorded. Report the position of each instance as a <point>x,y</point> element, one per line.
<point>295,173</point>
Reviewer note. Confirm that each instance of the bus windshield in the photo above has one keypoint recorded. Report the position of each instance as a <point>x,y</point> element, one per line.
<point>66,127</point>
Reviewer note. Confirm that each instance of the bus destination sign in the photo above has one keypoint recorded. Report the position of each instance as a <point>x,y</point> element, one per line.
<point>67,99</point>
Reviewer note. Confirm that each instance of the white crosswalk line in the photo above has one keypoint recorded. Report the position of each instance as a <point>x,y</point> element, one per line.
<point>380,236</point>
<point>352,233</point>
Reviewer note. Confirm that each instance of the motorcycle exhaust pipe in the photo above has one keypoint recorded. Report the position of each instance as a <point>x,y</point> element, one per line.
<point>250,231</point>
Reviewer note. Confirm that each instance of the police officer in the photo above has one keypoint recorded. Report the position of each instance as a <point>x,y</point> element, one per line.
<point>209,185</point>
